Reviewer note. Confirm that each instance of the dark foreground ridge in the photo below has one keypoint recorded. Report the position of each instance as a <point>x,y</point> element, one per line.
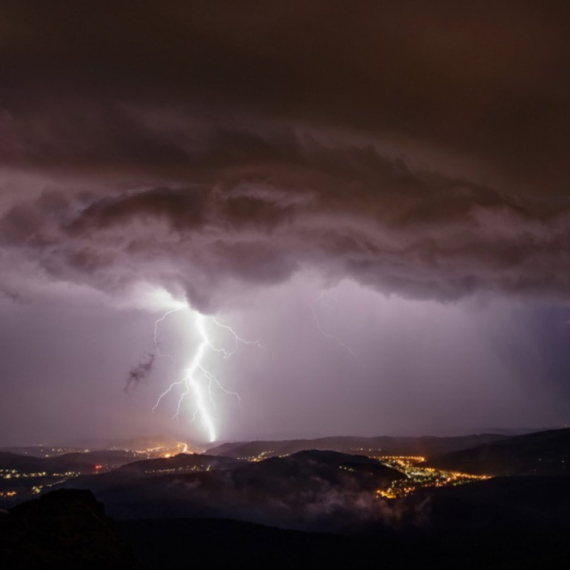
<point>65,529</point>
<point>499,524</point>
<point>219,543</point>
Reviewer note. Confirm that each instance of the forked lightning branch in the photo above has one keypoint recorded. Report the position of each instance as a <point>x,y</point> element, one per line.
<point>198,385</point>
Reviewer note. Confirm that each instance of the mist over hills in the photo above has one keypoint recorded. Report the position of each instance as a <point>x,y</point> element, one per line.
<point>308,490</point>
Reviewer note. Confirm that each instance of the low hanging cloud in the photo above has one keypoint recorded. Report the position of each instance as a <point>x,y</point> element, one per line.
<point>289,203</point>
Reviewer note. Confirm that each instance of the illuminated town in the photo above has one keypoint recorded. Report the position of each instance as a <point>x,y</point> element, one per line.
<point>261,456</point>
<point>165,450</point>
<point>20,482</point>
<point>418,476</point>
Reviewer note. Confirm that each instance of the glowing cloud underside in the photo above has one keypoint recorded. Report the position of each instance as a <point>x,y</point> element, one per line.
<point>198,379</point>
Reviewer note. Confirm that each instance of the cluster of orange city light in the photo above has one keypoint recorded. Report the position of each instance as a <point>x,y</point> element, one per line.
<point>179,448</point>
<point>261,456</point>
<point>165,451</point>
<point>418,476</point>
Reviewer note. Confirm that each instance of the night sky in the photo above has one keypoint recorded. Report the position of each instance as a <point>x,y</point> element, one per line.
<point>375,191</point>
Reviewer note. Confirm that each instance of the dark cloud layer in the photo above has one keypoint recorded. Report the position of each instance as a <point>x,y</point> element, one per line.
<point>488,78</point>
<point>419,147</point>
<point>343,211</point>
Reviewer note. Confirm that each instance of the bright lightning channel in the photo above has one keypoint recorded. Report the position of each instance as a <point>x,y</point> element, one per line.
<point>191,380</point>
<point>196,376</point>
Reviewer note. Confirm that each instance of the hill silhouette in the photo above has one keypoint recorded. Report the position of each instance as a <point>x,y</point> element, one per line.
<point>63,529</point>
<point>311,489</point>
<point>426,445</point>
<point>541,453</point>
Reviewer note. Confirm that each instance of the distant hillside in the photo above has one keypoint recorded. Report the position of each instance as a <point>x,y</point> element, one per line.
<point>310,489</point>
<point>21,476</point>
<point>542,453</point>
<point>181,463</point>
<point>426,446</point>
<point>80,462</point>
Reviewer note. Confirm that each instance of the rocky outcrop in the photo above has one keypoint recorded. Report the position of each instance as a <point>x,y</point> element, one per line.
<point>65,529</point>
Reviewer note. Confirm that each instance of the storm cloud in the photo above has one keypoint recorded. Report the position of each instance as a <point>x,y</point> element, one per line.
<point>417,147</point>
<point>344,212</point>
<point>224,150</point>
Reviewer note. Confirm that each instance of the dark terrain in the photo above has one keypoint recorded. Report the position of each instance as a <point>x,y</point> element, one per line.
<point>64,530</point>
<point>542,453</point>
<point>313,508</point>
<point>310,490</point>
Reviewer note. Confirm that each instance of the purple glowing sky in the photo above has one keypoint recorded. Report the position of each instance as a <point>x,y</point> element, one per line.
<point>390,174</point>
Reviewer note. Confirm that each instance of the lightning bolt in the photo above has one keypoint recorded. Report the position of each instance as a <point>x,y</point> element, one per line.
<point>238,339</point>
<point>155,336</point>
<point>330,299</point>
<point>197,378</point>
<point>190,380</point>
<point>333,337</point>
